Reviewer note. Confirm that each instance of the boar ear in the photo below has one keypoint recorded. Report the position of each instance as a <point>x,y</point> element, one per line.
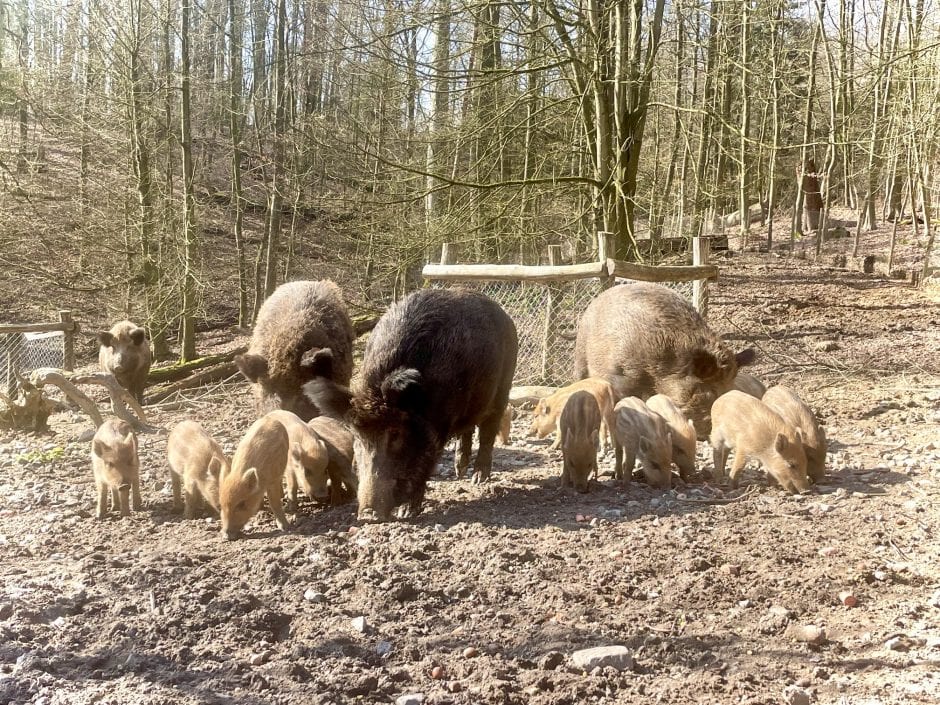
<point>645,445</point>
<point>703,364</point>
<point>97,447</point>
<point>317,362</point>
<point>254,367</point>
<point>403,388</point>
<point>250,477</point>
<point>105,338</point>
<point>138,335</point>
<point>781,443</point>
<point>215,468</point>
<point>692,428</point>
<point>330,398</point>
<point>799,436</point>
<point>745,357</point>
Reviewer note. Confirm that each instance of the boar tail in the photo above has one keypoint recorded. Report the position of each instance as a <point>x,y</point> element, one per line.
<point>331,399</point>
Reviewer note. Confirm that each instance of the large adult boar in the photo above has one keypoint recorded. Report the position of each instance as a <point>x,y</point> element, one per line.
<point>302,331</point>
<point>125,353</point>
<point>645,339</point>
<point>794,411</point>
<point>116,467</point>
<point>438,364</point>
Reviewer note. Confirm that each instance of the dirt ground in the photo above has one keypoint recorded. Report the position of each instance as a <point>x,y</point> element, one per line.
<point>485,597</point>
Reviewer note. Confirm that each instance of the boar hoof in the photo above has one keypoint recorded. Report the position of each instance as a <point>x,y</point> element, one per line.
<point>368,515</point>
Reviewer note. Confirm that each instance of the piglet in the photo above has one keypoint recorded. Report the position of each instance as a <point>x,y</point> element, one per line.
<point>795,412</point>
<point>196,462</point>
<point>578,428</point>
<point>640,432</point>
<point>682,430</point>
<point>307,460</point>
<point>116,467</point>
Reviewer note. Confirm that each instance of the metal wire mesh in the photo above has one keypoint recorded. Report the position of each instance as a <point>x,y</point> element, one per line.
<point>546,318</point>
<point>20,353</point>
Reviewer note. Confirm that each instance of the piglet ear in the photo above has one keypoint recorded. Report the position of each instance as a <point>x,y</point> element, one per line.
<point>317,362</point>
<point>97,448</point>
<point>403,388</point>
<point>138,335</point>
<point>644,445</point>
<point>215,468</point>
<point>254,367</point>
<point>105,338</point>
<point>781,443</point>
<point>250,477</point>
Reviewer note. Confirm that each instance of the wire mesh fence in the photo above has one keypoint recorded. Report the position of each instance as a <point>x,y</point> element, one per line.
<point>546,318</point>
<point>20,353</point>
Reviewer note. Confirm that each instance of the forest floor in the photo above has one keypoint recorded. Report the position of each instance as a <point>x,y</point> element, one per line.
<point>486,596</point>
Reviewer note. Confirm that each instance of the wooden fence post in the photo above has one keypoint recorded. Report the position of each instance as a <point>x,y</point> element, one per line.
<point>605,245</point>
<point>701,249</point>
<point>448,253</point>
<point>68,341</point>
<point>552,305</point>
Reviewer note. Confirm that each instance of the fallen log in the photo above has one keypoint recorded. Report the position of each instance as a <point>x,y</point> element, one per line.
<point>121,399</point>
<point>216,373</point>
<point>172,373</point>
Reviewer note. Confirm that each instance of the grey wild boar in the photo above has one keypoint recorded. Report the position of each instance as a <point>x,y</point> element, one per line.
<point>682,431</point>
<point>795,412</point>
<point>438,365</point>
<point>546,413</point>
<point>125,353</point>
<point>196,463</point>
<point>340,467</point>
<point>640,432</point>
<point>749,427</point>
<point>579,426</point>
<point>645,339</point>
<point>303,331</point>
<point>116,467</point>
<point>749,384</point>
<point>307,460</point>
<point>257,471</point>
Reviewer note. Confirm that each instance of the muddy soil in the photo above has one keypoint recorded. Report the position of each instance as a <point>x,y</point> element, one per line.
<point>488,594</point>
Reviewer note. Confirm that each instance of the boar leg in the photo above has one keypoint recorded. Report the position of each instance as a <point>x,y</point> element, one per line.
<point>719,460</point>
<point>123,497</point>
<point>484,460</point>
<point>275,496</point>
<point>565,473</point>
<point>291,492</point>
<point>463,453</point>
<point>102,500</point>
<point>136,502</point>
<point>737,466</point>
<point>629,462</point>
<point>177,492</point>
<point>193,503</point>
<point>618,460</point>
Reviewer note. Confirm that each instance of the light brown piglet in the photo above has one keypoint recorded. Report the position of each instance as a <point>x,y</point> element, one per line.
<point>196,462</point>
<point>257,470</point>
<point>795,412</point>
<point>641,432</point>
<point>306,462</point>
<point>578,427</point>
<point>753,430</point>
<point>682,430</point>
<point>547,411</point>
<point>116,467</point>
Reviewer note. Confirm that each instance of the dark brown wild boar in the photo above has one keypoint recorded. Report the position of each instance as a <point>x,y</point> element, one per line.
<point>196,462</point>
<point>125,353</point>
<point>303,331</point>
<point>645,339</point>
<point>579,427</point>
<point>794,411</point>
<point>438,365</point>
<point>257,471</point>
<point>116,467</point>
<point>340,467</point>
<point>753,430</point>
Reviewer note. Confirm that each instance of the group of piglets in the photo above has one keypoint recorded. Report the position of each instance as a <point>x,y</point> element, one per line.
<point>654,380</point>
<point>303,331</point>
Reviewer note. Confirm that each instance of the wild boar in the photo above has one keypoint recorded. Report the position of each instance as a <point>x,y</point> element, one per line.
<point>125,353</point>
<point>306,462</point>
<point>753,430</point>
<point>682,431</point>
<point>196,462</point>
<point>640,432</point>
<point>438,364</point>
<point>546,413</point>
<point>303,331</point>
<point>339,449</point>
<point>257,470</point>
<point>116,467</point>
<point>646,339</point>
<point>749,384</point>
<point>578,427</point>
<point>795,412</point>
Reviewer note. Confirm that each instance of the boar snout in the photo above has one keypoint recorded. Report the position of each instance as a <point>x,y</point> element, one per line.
<point>370,516</point>
<point>230,534</point>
